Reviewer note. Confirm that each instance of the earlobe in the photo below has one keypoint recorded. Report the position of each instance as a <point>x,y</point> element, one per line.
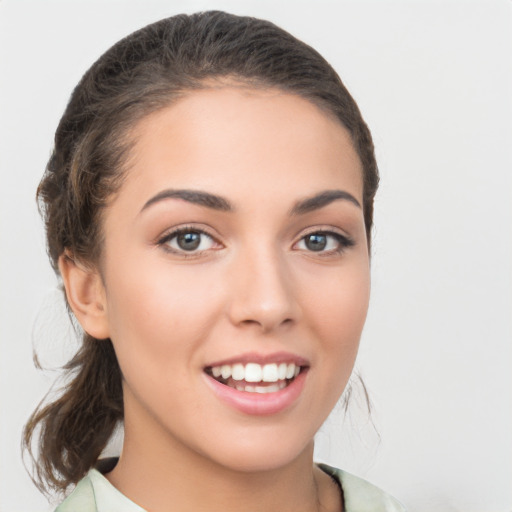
<point>86,296</point>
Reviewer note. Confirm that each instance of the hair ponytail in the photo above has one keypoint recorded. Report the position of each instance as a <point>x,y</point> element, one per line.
<point>73,430</point>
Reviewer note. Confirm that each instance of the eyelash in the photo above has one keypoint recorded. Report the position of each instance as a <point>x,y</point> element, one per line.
<point>343,242</point>
<point>166,239</point>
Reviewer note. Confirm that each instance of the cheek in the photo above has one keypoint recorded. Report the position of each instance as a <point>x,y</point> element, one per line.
<point>338,312</point>
<point>157,321</point>
<point>340,300</point>
<point>155,315</point>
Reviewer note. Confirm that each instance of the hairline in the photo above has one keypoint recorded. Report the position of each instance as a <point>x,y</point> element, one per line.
<point>127,140</point>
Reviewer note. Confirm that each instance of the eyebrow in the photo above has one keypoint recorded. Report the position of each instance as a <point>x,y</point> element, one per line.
<point>192,196</point>
<point>322,199</point>
<point>219,203</point>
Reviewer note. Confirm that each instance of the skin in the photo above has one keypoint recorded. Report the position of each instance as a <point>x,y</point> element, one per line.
<point>254,286</point>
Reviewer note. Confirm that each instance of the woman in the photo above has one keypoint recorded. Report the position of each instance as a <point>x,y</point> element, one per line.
<point>208,205</point>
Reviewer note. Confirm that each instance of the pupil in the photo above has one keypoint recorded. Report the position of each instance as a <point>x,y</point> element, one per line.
<point>316,242</point>
<point>189,241</point>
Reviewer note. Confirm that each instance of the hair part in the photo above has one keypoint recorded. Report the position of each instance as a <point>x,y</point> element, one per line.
<point>144,72</point>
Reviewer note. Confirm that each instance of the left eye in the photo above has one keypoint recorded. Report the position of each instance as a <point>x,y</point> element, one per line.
<point>323,242</point>
<point>188,241</point>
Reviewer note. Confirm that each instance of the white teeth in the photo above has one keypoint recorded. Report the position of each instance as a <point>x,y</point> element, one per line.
<point>254,373</point>
<point>290,371</point>
<point>267,389</point>
<point>225,371</point>
<point>260,389</point>
<point>238,372</point>
<point>270,373</point>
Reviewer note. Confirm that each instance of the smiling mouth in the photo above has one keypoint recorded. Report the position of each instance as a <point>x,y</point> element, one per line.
<point>255,378</point>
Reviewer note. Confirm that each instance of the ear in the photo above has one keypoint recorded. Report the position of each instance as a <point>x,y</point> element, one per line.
<point>86,296</point>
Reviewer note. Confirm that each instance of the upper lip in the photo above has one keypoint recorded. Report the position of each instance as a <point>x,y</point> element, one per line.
<point>254,357</point>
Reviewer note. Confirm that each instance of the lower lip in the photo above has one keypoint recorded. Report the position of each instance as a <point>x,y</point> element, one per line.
<point>261,404</point>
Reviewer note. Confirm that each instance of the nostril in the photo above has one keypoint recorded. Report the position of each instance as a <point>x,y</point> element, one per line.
<point>266,324</point>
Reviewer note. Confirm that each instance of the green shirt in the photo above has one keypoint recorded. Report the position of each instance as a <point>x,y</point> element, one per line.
<point>94,493</point>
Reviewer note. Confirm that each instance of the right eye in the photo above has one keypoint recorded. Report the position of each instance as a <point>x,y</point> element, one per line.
<point>187,241</point>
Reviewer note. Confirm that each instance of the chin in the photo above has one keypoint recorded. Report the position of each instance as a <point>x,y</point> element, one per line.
<point>267,452</point>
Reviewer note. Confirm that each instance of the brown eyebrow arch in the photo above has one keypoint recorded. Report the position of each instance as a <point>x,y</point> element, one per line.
<point>322,199</point>
<point>192,196</point>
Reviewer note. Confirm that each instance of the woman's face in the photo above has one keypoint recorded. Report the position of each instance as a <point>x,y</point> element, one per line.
<point>236,276</point>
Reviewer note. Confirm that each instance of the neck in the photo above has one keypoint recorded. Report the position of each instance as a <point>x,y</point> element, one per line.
<point>158,476</point>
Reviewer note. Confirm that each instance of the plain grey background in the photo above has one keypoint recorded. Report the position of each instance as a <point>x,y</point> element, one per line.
<point>434,82</point>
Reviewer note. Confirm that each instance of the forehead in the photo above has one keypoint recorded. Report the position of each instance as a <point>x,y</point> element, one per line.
<point>227,136</point>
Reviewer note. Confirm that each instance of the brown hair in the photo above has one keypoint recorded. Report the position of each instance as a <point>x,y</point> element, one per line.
<point>140,74</point>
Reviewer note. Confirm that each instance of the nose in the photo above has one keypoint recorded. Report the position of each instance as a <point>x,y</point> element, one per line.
<point>262,291</point>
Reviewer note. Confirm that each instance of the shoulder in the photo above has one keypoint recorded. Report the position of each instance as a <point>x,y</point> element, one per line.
<point>360,495</point>
<point>81,499</point>
<point>95,493</point>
